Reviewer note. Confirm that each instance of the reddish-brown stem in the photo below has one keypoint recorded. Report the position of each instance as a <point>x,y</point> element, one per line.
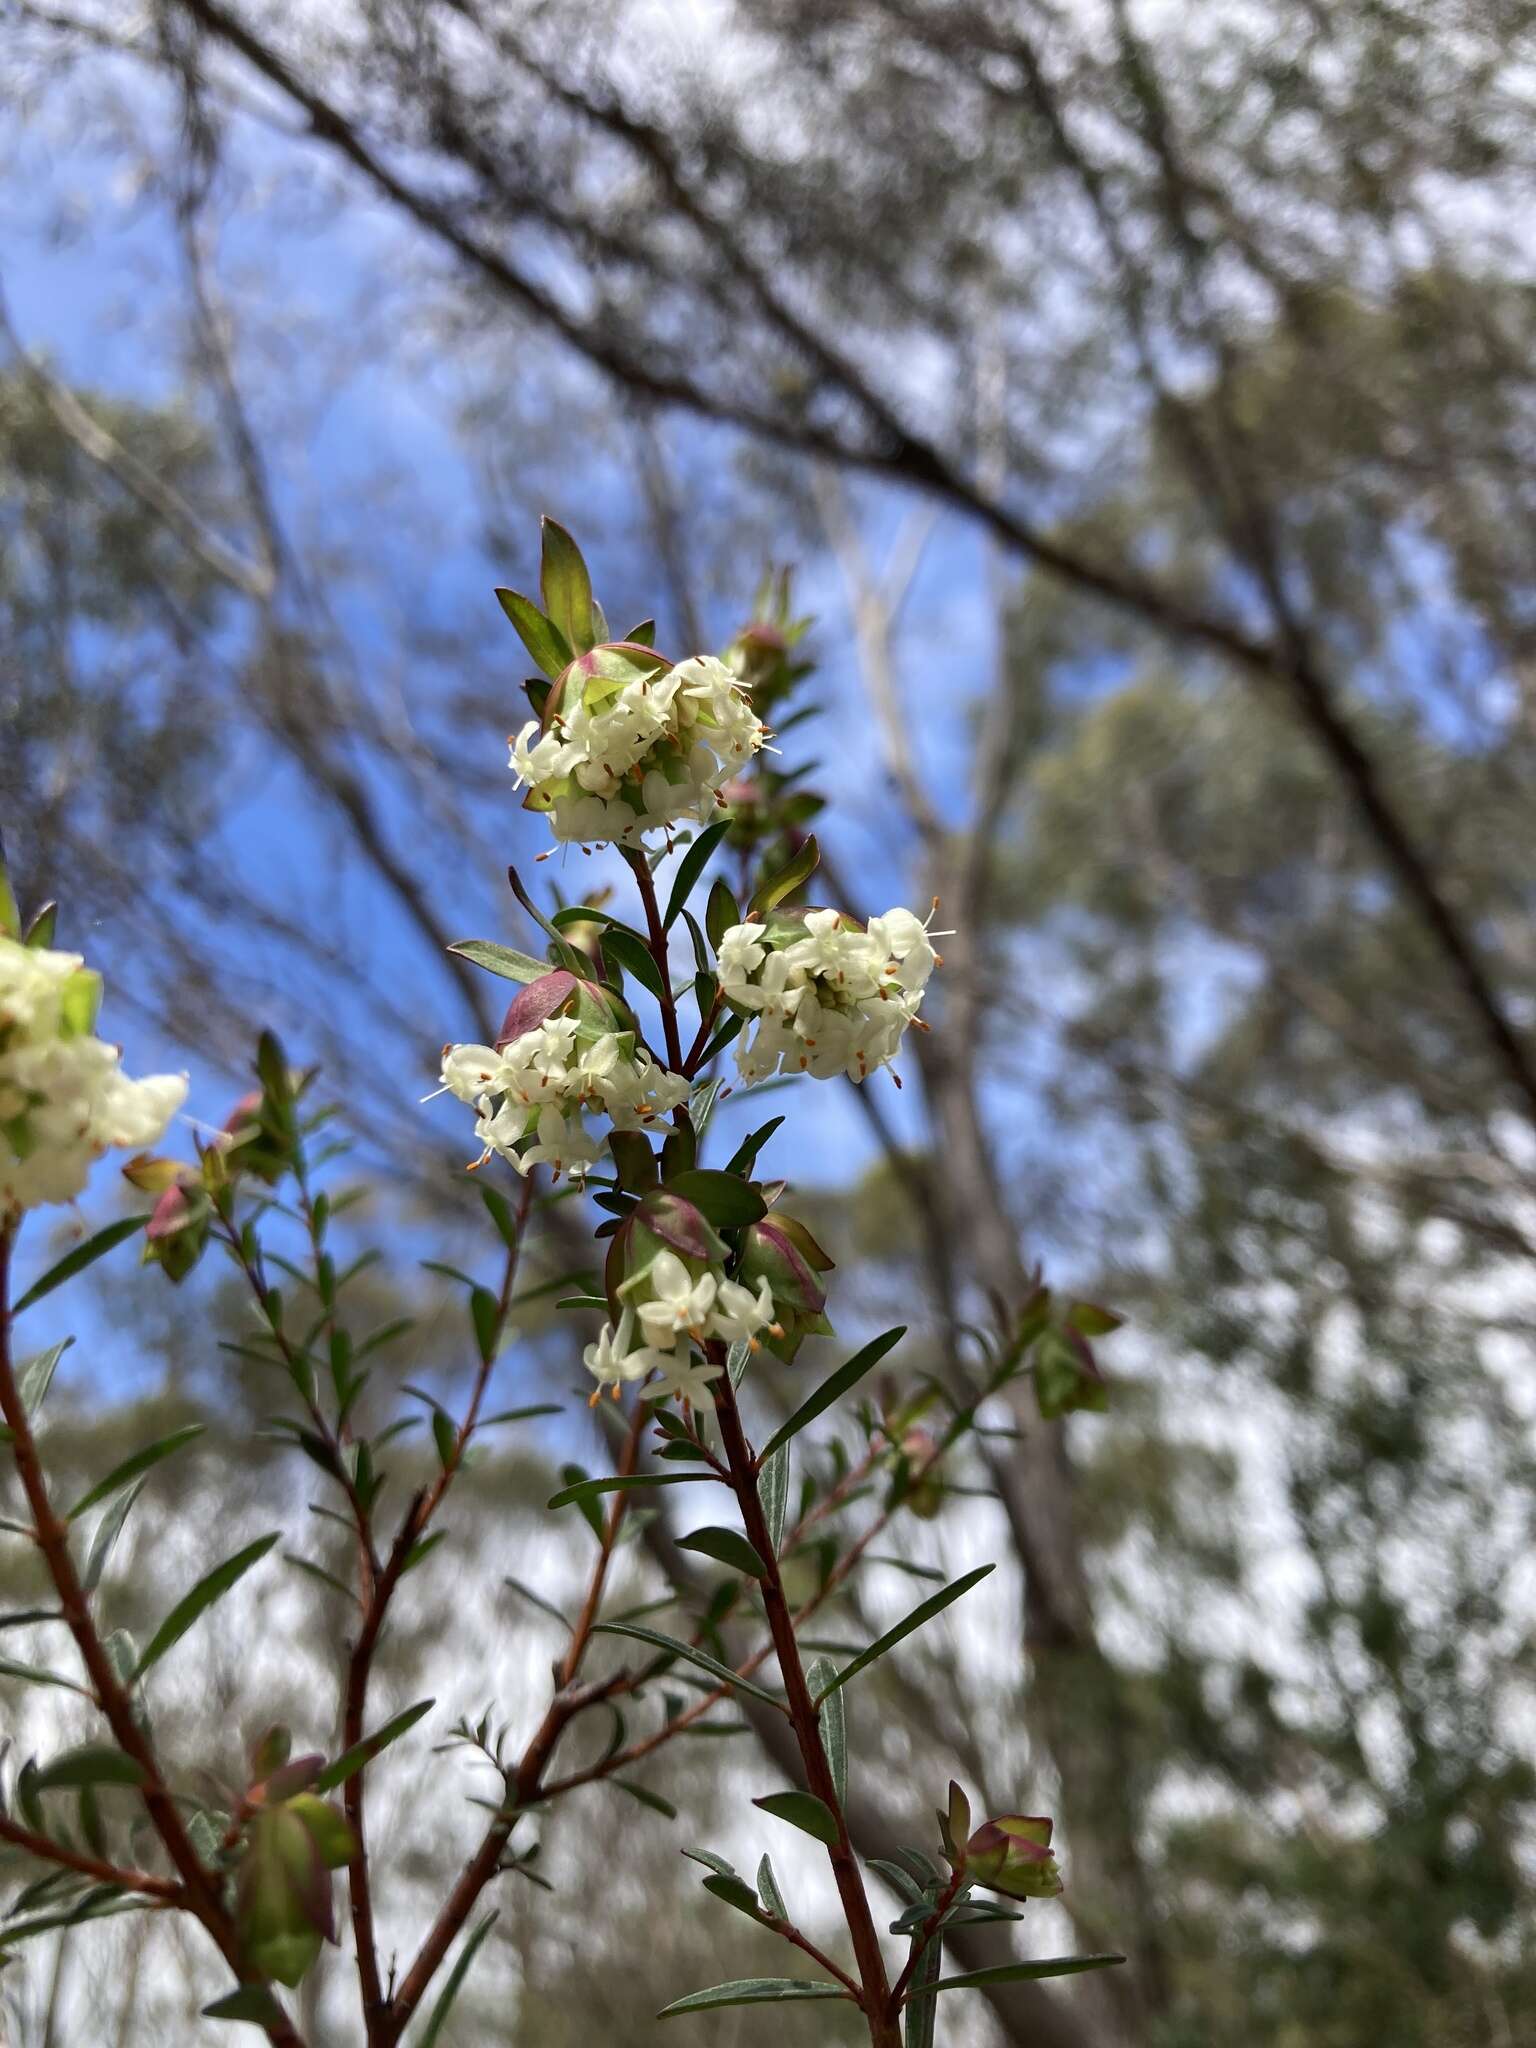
<point>926,1934</point>
<point>377,2018</point>
<point>875,1996</point>
<point>523,1784</point>
<point>69,1858</point>
<point>199,1886</point>
<point>645,882</point>
<point>636,1751</point>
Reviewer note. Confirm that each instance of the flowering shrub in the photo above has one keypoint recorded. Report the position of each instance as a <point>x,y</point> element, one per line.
<point>710,1287</point>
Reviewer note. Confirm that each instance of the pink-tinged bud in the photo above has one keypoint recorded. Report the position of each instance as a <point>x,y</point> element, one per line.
<point>177,1231</point>
<point>955,1823</point>
<point>285,1780</point>
<point>171,1213</point>
<point>1012,1855</point>
<point>780,1250</point>
<point>769,1253</point>
<point>535,1005</point>
<point>678,1223</point>
<point>246,1111</point>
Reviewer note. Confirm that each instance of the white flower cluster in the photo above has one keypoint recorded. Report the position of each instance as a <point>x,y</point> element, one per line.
<point>657,1333</point>
<point>836,1000</point>
<point>63,1097</point>
<point>540,1082</point>
<point>616,762</point>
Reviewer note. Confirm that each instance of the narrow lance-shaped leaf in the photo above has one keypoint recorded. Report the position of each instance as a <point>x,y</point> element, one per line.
<point>352,1760</point>
<point>805,1811</point>
<point>833,1389</point>
<point>108,1529</point>
<point>773,1492</point>
<point>821,1676</point>
<point>541,636</point>
<point>633,1482</point>
<point>924,1612</point>
<point>921,2010</point>
<point>202,1596</point>
<point>438,2018</point>
<point>1014,1973</point>
<point>76,1261</point>
<point>503,960</point>
<point>691,866</point>
<point>36,1376</point>
<point>728,1547</point>
<point>90,1766</point>
<point>565,585</point>
<point>130,1469</point>
<point>768,1891</point>
<point>721,1673</point>
<point>750,1991</point>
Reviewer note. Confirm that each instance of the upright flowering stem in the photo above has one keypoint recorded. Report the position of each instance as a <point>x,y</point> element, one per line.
<point>878,2004</point>
<point>199,1886</point>
<point>645,881</point>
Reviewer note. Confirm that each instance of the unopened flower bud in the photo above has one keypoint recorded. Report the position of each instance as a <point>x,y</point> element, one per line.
<point>1012,1855</point>
<point>782,1252</point>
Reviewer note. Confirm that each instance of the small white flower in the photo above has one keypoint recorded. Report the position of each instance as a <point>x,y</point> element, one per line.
<point>678,1302</point>
<point>836,999</point>
<point>63,1096</point>
<point>683,1375</point>
<point>739,1313</point>
<point>616,763</point>
<point>614,1358</point>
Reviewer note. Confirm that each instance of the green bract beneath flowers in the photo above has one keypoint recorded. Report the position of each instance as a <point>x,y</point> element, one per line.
<point>63,1096</point>
<point>629,743</point>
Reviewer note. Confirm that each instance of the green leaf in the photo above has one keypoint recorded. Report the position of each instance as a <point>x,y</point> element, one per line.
<point>750,1991</point>
<point>646,1797</point>
<point>768,1891</point>
<point>735,1893</point>
<point>541,636</point>
<point>502,960</point>
<point>833,1389</point>
<point>90,1766</point>
<point>537,1600</point>
<point>721,913</point>
<point>36,1376</point>
<point>196,1603</point>
<point>924,1612</point>
<point>565,587</point>
<point>820,1676</point>
<point>129,1470</point>
<point>691,866</point>
<point>35,1674</point>
<point>352,1760</point>
<point>721,1673</point>
<point>788,879</point>
<point>726,1200</point>
<point>920,2017</point>
<point>728,1547</point>
<point>773,1493</point>
<point>805,1811</point>
<point>252,2002</point>
<point>76,1261</point>
<point>1013,1973</point>
<point>439,2015</point>
<point>588,1489</point>
<point>485,1312</point>
<point>635,957</point>
<point>499,1209</point>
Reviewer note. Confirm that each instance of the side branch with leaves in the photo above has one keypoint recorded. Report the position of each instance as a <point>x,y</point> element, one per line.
<point>595,1079</point>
